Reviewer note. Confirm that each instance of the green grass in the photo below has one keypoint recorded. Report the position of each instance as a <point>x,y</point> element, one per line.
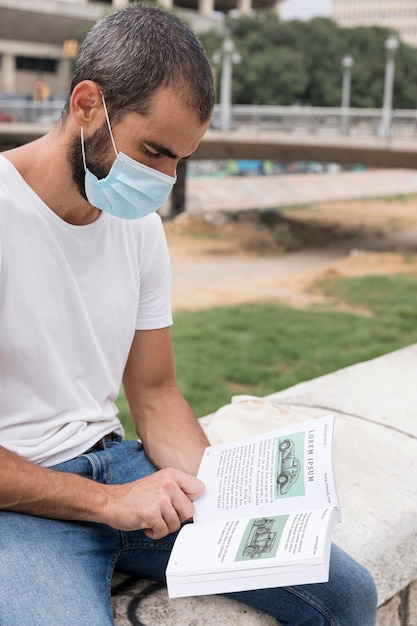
<point>262,348</point>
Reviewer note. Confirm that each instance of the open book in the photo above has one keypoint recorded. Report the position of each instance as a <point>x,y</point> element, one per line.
<point>266,517</point>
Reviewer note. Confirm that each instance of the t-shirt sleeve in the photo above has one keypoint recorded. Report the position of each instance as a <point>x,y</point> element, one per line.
<point>154,310</point>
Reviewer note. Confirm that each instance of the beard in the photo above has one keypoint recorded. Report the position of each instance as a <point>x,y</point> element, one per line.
<point>96,148</point>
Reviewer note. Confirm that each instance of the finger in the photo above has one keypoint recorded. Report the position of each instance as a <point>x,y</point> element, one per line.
<point>173,512</point>
<point>169,516</point>
<point>183,506</point>
<point>192,486</point>
<point>154,535</point>
<point>158,530</point>
<point>189,484</point>
<point>168,525</point>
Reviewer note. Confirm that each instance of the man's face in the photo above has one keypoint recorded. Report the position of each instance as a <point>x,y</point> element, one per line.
<point>169,133</point>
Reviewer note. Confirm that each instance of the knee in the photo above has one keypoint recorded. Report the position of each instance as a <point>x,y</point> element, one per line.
<point>354,591</point>
<point>364,601</point>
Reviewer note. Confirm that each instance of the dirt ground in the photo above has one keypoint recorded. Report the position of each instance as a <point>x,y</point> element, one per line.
<point>225,259</point>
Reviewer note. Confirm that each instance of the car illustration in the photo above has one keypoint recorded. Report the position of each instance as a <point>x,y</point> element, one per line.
<point>289,466</point>
<point>261,539</point>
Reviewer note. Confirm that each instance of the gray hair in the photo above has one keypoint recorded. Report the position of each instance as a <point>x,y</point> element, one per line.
<point>134,51</point>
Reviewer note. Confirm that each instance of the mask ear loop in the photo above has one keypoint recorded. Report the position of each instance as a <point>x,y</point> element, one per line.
<point>83,149</point>
<point>108,123</point>
<point>110,131</point>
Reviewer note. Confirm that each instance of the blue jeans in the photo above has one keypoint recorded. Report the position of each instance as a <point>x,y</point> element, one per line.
<point>58,573</point>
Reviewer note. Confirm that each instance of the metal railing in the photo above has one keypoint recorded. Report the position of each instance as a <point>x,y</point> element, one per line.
<point>28,110</point>
<point>297,120</point>
<point>323,121</point>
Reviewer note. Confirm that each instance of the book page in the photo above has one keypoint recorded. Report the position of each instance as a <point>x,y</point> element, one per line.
<point>274,473</point>
<point>237,549</point>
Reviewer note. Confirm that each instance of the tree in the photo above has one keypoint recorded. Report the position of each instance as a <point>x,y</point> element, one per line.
<point>300,62</point>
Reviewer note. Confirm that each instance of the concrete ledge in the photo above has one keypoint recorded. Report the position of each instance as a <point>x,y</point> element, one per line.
<point>145,602</point>
<point>375,460</point>
<point>375,465</point>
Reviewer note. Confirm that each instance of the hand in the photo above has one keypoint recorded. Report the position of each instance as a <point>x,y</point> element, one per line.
<point>158,503</point>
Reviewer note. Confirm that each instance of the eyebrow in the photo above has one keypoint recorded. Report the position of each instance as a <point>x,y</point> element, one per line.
<point>164,150</point>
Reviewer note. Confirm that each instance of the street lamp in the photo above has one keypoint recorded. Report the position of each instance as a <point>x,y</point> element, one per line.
<point>228,56</point>
<point>347,63</point>
<point>391,47</point>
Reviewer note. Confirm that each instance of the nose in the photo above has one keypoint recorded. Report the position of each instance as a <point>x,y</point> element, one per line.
<point>167,165</point>
<point>171,168</point>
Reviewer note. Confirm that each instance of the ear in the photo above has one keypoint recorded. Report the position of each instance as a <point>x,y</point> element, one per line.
<point>86,104</point>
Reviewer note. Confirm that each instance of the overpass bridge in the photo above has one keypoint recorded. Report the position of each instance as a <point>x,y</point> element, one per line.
<point>287,147</point>
<point>277,133</point>
<point>286,134</point>
<point>269,145</point>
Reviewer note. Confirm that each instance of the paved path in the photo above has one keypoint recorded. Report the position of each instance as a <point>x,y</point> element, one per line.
<point>237,193</point>
<point>239,278</point>
<point>200,283</point>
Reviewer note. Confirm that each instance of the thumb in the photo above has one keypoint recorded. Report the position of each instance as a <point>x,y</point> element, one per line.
<point>191,486</point>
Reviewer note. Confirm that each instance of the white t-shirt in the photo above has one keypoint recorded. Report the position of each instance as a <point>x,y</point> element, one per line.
<point>71,298</point>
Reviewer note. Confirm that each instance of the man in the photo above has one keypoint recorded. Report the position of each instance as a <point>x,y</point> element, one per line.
<point>84,306</point>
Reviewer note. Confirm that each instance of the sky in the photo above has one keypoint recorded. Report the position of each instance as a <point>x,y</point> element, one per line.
<point>304,9</point>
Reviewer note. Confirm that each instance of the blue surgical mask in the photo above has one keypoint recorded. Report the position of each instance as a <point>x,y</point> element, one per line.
<point>130,190</point>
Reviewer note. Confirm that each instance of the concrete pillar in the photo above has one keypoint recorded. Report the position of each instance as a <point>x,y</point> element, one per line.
<point>277,7</point>
<point>63,78</point>
<point>178,196</point>
<point>167,4</point>
<point>205,7</point>
<point>8,67</point>
<point>244,6</point>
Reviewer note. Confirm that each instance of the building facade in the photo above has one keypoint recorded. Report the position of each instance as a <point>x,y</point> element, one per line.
<point>37,44</point>
<point>400,15</point>
<point>38,37</point>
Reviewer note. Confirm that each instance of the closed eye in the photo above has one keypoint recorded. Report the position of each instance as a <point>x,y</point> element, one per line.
<point>154,149</point>
<point>150,154</point>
